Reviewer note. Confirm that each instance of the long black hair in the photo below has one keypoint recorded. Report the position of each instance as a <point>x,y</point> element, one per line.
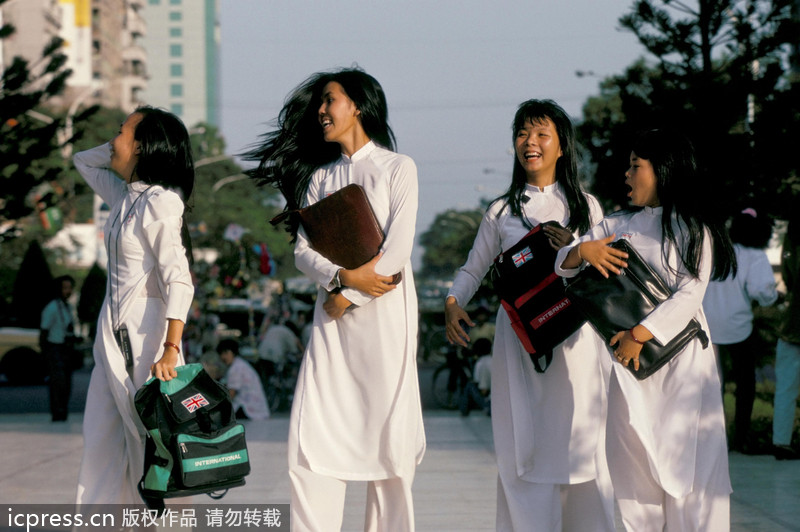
<point>289,155</point>
<point>539,111</point>
<point>677,185</point>
<point>166,158</point>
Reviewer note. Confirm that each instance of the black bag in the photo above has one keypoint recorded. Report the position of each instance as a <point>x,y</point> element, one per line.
<point>194,444</point>
<point>620,302</point>
<point>533,296</point>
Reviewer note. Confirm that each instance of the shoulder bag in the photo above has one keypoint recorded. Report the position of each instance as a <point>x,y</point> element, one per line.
<point>622,301</point>
<point>532,294</point>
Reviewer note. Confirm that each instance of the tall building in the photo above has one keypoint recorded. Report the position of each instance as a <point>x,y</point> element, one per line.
<point>119,61</point>
<point>36,22</point>
<point>182,45</point>
<point>102,42</point>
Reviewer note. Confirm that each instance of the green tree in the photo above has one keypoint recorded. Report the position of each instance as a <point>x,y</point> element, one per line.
<point>447,242</point>
<point>27,140</point>
<point>224,195</point>
<point>33,289</point>
<point>717,76</point>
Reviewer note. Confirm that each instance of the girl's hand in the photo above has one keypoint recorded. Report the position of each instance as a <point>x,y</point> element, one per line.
<point>336,305</point>
<point>365,278</point>
<point>628,348</point>
<point>453,315</point>
<point>599,254</point>
<point>164,368</point>
<point>558,237</point>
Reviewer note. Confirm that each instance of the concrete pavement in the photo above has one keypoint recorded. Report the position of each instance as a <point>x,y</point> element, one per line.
<point>454,490</point>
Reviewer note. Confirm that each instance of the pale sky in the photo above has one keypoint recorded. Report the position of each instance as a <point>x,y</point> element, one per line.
<point>453,72</point>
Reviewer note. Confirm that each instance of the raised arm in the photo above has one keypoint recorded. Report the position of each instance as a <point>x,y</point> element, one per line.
<point>94,165</point>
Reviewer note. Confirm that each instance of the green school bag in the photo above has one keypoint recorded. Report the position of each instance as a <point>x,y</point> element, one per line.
<point>194,444</point>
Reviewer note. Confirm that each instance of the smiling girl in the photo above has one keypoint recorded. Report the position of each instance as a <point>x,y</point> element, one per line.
<point>548,427</point>
<point>666,447</point>
<point>356,413</point>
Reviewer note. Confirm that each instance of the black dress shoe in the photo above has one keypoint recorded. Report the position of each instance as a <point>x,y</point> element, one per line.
<point>785,452</point>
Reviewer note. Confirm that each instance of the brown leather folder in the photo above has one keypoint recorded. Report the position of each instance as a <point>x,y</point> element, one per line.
<point>342,227</point>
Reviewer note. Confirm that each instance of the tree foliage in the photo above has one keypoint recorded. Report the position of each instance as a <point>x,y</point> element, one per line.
<point>716,73</point>
<point>33,289</point>
<point>27,139</point>
<point>447,242</point>
<point>223,195</point>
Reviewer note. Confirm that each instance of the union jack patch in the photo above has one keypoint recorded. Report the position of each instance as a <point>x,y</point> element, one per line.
<point>522,257</point>
<point>194,402</point>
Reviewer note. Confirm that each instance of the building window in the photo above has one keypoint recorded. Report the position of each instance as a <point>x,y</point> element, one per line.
<point>176,109</point>
<point>175,2</point>
<point>176,32</point>
<point>154,2</point>
<point>175,50</point>
<point>175,15</point>
<point>176,70</point>
<point>176,89</point>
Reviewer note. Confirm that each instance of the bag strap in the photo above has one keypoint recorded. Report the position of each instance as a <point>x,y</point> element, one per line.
<point>535,358</point>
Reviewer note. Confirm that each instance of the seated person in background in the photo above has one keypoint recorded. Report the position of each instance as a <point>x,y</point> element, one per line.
<point>476,392</point>
<point>243,382</point>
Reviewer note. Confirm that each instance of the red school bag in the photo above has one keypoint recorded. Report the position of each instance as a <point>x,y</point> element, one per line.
<point>534,297</point>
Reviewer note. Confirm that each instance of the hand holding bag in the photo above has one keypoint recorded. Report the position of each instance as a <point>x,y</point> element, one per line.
<point>622,301</point>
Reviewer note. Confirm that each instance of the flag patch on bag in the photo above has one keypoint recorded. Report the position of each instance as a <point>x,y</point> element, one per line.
<point>522,257</point>
<point>194,402</point>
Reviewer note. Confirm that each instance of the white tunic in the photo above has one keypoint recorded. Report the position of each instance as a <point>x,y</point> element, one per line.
<point>148,282</point>
<point>557,417</point>
<point>356,413</point>
<point>728,303</point>
<point>676,412</point>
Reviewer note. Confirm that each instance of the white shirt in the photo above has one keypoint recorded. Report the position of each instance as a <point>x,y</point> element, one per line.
<point>242,378</point>
<point>278,341</point>
<point>728,303</point>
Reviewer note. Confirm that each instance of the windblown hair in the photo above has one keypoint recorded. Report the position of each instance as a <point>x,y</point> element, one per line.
<point>672,157</point>
<point>537,112</point>
<point>166,157</point>
<point>289,155</point>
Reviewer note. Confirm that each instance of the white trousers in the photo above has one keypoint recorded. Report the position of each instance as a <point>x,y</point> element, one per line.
<point>318,503</point>
<point>524,506</point>
<point>643,503</point>
<point>787,386</point>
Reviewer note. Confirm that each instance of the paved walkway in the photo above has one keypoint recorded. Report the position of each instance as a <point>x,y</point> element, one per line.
<point>455,486</point>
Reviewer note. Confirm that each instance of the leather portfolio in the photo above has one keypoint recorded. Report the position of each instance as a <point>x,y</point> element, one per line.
<point>341,227</point>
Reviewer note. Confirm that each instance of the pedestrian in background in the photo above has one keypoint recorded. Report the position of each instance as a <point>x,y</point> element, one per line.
<point>787,355</point>
<point>57,342</point>
<point>244,385</point>
<point>277,347</point>
<point>728,305</point>
<point>356,413</point>
<point>145,174</point>
<point>549,428</point>
<point>666,443</point>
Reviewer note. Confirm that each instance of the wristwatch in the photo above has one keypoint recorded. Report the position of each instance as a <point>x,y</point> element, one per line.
<point>337,282</point>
